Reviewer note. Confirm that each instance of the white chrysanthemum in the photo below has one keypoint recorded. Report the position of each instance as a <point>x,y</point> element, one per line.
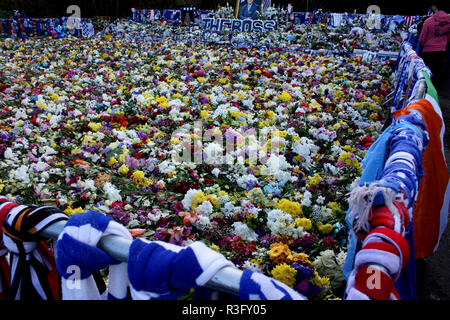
<point>326,263</point>
<point>9,154</point>
<point>203,223</point>
<point>242,230</point>
<point>40,166</point>
<point>112,192</point>
<point>223,200</point>
<point>205,208</point>
<point>187,200</point>
<point>214,154</point>
<point>340,258</point>
<point>281,223</point>
<point>166,167</point>
<point>249,178</point>
<point>89,185</point>
<point>306,201</point>
<point>252,266</point>
<point>216,172</point>
<point>277,163</point>
<point>306,149</point>
<point>21,174</point>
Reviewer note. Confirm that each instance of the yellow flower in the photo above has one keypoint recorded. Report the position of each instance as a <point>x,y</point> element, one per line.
<point>285,274</point>
<point>112,161</point>
<point>201,79</point>
<point>314,180</point>
<point>213,199</point>
<point>76,150</point>
<point>41,105</point>
<point>324,228</point>
<point>203,114</point>
<point>334,207</point>
<point>270,114</point>
<point>171,174</point>
<point>124,169</point>
<point>215,247</point>
<point>285,96</point>
<point>321,282</point>
<point>54,97</point>
<point>197,199</point>
<point>70,212</point>
<point>299,257</point>
<point>95,126</point>
<point>291,207</point>
<point>279,252</point>
<point>305,223</point>
<point>138,177</point>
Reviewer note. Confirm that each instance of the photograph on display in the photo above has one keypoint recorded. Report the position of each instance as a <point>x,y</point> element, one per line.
<point>248,9</point>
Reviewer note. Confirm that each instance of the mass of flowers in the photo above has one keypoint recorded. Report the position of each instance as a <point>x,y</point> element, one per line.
<point>93,124</point>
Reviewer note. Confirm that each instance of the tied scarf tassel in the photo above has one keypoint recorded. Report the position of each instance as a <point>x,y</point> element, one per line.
<point>363,198</point>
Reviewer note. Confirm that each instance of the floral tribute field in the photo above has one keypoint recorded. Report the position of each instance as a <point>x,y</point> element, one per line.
<point>92,124</point>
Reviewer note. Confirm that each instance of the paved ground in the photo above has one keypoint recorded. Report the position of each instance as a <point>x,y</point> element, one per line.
<point>436,282</point>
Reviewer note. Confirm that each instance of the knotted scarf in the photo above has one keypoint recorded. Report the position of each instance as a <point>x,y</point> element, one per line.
<point>79,261</point>
<point>32,274</point>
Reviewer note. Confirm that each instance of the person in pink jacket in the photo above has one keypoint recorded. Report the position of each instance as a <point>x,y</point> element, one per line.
<point>434,37</point>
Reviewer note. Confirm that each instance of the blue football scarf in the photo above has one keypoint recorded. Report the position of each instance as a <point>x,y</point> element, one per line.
<point>257,286</point>
<point>78,260</point>
<point>162,271</point>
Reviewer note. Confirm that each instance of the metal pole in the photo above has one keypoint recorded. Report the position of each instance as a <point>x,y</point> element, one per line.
<point>226,279</point>
<point>421,89</point>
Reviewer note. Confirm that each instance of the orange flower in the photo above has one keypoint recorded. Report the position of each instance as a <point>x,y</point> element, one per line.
<point>279,252</point>
<point>80,162</point>
<point>301,258</point>
<point>137,232</point>
<point>189,217</point>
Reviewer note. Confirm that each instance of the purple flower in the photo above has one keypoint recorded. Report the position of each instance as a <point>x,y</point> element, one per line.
<point>142,135</point>
<point>307,241</point>
<point>160,234</point>
<point>302,286</point>
<point>266,240</point>
<point>303,272</point>
<point>132,162</point>
<point>340,164</point>
<point>230,135</point>
<point>2,150</point>
<point>142,215</point>
<point>119,215</point>
<point>331,180</point>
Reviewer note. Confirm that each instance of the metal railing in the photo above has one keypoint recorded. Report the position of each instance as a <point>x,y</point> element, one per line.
<point>225,280</point>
